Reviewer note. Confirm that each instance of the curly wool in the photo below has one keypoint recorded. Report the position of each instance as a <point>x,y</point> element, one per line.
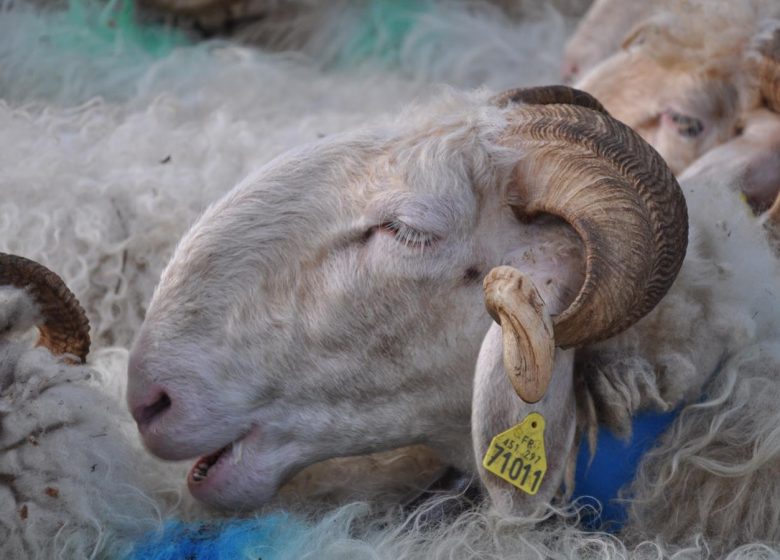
<point>74,480</point>
<point>711,344</point>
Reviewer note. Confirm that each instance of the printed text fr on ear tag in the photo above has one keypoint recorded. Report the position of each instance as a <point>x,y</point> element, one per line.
<point>517,455</point>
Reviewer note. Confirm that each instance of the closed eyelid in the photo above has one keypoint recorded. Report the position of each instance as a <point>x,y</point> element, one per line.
<point>430,217</point>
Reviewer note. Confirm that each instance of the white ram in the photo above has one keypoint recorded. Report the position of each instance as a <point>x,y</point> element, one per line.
<point>331,304</point>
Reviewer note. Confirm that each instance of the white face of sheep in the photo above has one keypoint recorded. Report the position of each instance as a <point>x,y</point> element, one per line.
<point>679,100</point>
<point>752,158</point>
<point>600,33</point>
<point>332,305</point>
<point>691,114</point>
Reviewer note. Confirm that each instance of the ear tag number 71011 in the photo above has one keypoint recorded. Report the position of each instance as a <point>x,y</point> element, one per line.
<point>517,455</point>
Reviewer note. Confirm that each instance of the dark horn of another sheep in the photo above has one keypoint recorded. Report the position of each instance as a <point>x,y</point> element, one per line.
<point>65,327</point>
<point>548,95</point>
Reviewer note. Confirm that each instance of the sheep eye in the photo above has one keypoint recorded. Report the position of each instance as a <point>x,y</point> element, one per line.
<point>687,126</point>
<point>407,235</point>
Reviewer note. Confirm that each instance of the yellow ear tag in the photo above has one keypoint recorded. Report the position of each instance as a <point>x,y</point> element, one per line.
<point>517,455</point>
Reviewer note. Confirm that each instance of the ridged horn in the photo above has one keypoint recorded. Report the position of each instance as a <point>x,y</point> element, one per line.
<point>549,95</point>
<point>769,71</point>
<point>620,197</point>
<point>65,327</point>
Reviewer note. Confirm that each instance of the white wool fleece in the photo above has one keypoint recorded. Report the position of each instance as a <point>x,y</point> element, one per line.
<point>74,480</point>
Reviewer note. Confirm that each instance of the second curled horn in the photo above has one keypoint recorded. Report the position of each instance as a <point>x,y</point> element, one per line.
<point>614,190</point>
<point>64,327</point>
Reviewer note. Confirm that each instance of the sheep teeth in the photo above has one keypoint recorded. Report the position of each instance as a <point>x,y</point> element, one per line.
<point>238,451</point>
<point>200,472</point>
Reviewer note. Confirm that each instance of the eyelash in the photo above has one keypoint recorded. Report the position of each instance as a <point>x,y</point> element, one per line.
<point>409,236</point>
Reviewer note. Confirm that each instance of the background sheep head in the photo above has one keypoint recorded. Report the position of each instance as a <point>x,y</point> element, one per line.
<point>332,304</point>
<point>752,157</point>
<point>678,79</point>
<point>600,33</point>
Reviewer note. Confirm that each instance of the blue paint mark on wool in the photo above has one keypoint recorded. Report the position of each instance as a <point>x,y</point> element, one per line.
<point>613,466</point>
<point>271,537</point>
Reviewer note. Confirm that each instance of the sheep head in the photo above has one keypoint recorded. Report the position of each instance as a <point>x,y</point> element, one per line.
<point>600,33</point>
<point>752,158</point>
<point>331,305</point>
<point>692,113</point>
<point>677,79</point>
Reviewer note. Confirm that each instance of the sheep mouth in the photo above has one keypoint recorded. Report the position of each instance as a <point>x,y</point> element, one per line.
<point>208,465</point>
<point>200,470</point>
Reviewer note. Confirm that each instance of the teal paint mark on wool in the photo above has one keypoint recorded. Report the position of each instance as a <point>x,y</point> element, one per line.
<point>78,51</point>
<point>272,537</point>
<point>381,30</point>
<point>112,28</point>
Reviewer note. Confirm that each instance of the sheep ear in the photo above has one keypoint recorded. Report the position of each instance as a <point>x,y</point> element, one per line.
<point>661,27</point>
<point>496,408</point>
<point>638,34</point>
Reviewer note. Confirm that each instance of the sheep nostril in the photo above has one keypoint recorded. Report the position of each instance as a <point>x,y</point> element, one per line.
<point>145,414</point>
<point>569,71</point>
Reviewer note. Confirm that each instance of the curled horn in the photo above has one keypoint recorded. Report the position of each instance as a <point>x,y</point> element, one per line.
<point>548,95</point>
<point>65,327</point>
<point>614,190</point>
<point>769,71</point>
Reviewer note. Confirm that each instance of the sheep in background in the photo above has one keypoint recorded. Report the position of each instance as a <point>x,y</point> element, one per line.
<point>679,78</point>
<point>74,481</point>
<point>301,359</point>
<point>751,160</point>
<point>601,32</point>
<point>757,150</point>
